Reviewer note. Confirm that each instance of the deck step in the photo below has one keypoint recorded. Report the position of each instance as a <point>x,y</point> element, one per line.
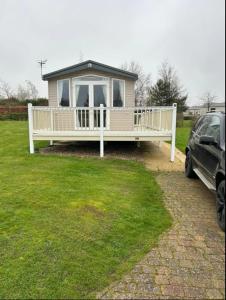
<point>209,185</point>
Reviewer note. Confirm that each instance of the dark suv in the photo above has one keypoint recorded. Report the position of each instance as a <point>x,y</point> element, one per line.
<point>205,157</point>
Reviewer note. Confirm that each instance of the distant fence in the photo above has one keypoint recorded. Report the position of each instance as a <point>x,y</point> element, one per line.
<point>7,110</point>
<point>13,112</point>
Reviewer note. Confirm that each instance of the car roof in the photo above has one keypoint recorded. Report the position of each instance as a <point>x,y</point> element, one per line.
<point>220,114</point>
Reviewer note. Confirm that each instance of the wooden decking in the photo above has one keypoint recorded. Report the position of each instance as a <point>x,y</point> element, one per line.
<point>102,124</point>
<point>109,135</point>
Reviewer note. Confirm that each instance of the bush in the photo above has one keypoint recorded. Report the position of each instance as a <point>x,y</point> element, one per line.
<point>17,102</point>
<point>38,102</point>
<point>191,118</point>
<point>14,116</point>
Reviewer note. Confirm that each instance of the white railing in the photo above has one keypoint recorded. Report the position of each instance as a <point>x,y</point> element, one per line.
<point>88,118</point>
<point>103,118</point>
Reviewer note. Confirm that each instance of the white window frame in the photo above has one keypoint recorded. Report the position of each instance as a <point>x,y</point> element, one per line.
<point>112,92</point>
<point>91,75</point>
<point>58,96</point>
<point>90,85</point>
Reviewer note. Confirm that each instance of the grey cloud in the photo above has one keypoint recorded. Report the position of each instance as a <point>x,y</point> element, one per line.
<point>188,33</point>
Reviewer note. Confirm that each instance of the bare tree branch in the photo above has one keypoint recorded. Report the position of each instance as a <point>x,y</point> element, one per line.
<point>208,99</point>
<point>142,85</point>
<point>5,90</point>
<point>168,89</point>
<point>32,90</point>
<point>27,92</point>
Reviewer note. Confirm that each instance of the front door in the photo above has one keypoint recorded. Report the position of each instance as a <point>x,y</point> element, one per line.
<point>88,96</point>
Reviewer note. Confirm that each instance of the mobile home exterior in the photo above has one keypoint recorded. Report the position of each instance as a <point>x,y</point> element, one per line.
<point>92,101</point>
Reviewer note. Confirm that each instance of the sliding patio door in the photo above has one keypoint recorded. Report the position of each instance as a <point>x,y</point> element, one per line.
<point>88,96</point>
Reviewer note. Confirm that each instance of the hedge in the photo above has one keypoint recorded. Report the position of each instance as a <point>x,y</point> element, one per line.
<point>14,116</point>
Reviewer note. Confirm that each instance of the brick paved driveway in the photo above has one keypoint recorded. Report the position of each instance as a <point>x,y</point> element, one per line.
<point>189,259</point>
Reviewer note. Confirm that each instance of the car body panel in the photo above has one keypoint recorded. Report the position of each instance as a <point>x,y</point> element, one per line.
<point>209,160</point>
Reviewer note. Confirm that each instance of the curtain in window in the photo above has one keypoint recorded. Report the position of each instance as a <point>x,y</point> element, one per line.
<point>82,95</point>
<point>118,93</point>
<point>82,100</point>
<point>105,94</point>
<point>64,93</point>
<point>100,95</point>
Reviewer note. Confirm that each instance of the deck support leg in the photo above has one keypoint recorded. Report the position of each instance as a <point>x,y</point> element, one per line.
<point>30,126</point>
<point>101,130</point>
<point>138,144</point>
<point>51,142</point>
<point>174,125</point>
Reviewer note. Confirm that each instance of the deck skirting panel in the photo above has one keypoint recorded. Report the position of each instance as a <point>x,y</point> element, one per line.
<point>86,135</point>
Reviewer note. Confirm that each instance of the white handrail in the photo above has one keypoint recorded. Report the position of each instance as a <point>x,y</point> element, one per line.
<point>139,108</point>
<point>137,119</point>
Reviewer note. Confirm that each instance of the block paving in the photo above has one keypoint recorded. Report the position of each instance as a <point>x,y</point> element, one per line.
<point>189,260</point>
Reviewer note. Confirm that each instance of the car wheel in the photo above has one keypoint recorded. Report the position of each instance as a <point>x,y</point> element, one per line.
<point>189,172</point>
<point>221,205</point>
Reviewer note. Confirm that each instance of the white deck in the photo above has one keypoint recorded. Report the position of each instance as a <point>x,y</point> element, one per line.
<point>94,135</point>
<point>102,124</point>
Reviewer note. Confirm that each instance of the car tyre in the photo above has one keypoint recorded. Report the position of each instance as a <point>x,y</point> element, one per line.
<point>220,205</point>
<point>189,172</point>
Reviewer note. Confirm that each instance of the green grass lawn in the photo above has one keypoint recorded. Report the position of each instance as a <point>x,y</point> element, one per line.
<point>183,135</point>
<point>71,226</point>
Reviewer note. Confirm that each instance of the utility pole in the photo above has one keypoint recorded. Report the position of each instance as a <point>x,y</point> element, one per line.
<point>42,63</point>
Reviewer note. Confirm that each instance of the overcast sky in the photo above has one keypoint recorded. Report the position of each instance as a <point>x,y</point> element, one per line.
<point>187,33</point>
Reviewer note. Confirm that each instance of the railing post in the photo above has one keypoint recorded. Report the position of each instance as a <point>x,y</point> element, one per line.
<point>174,125</point>
<point>30,126</point>
<point>160,119</point>
<point>101,130</point>
<point>51,122</point>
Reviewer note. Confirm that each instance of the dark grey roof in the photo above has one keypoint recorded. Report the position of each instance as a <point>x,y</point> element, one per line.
<point>90,65</point>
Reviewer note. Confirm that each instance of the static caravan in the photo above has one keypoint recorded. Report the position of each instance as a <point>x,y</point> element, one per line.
<point>96,102</point>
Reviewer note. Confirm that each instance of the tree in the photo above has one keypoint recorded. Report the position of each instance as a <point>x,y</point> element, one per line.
<point>142,85</point>
<point>27,92</point>
<point>32,90</point>
<point>5,90</point>
<point>167,89</point>
<point>208,99</point>
<point>22,93</point>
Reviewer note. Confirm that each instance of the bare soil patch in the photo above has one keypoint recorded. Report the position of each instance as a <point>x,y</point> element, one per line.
<point>154,155</point>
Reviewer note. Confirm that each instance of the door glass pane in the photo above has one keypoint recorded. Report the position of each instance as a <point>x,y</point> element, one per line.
<point>214,128</point>
<point>82,95</point>
<point>82,100</point>
<point>203,126</point>
<point>100,97</point>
